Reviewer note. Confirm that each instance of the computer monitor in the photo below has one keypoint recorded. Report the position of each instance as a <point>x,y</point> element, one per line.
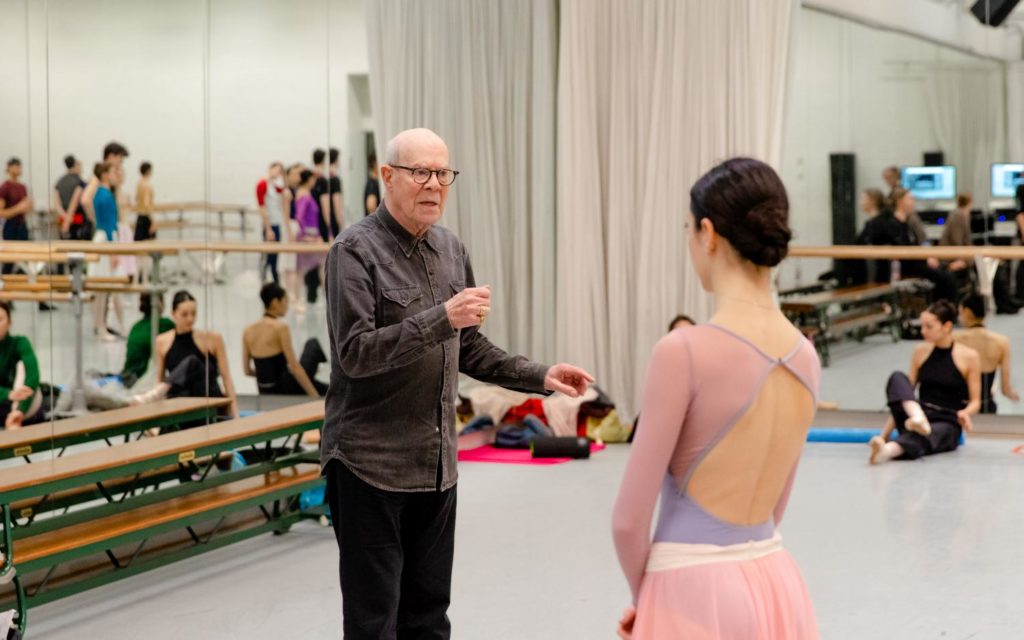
<point>1006,177</point>
<point>930,183</point>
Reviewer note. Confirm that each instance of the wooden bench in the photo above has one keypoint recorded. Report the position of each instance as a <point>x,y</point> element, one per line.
<point>44,559</point>
<point>104,425</point>
<point>829,315</point>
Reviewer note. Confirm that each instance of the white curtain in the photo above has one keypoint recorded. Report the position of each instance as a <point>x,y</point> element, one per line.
<point>967,107</point>
<point>1015,112</point>
<point>651,95</point>
<point>482,75</point>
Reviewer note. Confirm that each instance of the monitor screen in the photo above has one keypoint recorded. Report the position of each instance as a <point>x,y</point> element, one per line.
<point>930,183</point>
<point>1005,179</point>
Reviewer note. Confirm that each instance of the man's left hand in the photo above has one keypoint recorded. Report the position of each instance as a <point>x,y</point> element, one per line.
<point>570,380</point>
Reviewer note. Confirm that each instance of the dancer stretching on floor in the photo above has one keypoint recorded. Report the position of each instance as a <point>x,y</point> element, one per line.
<point>20,399</point>
<point>267,352</point>
<point>189,362</point>
<point>950,377</point>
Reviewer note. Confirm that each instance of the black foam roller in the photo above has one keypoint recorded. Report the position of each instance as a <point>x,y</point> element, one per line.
<point>560,447</point>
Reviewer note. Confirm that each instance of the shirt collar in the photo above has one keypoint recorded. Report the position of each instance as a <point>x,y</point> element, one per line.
<point>406,240</point>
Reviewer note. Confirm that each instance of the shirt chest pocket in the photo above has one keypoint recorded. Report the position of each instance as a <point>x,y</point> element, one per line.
<point>398,303</point>
<point>454,288</point>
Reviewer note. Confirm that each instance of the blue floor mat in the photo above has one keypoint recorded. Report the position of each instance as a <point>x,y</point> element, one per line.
<point>848,435</point>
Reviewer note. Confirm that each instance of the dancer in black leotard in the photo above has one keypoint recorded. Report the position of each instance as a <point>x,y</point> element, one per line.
<point>267,346</point>
<point>950,379</point>
<point>189,362</point>
<point>993,351</point>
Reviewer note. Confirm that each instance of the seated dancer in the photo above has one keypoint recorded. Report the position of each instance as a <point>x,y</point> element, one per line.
<point>993,350</point>
<point>950,379</point>
<point>267,345</point>
<point>20,399</point>
<point>189,362</point>
<point>136,357</point>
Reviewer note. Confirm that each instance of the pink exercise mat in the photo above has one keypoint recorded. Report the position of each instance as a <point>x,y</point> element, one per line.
<point>488,453</point>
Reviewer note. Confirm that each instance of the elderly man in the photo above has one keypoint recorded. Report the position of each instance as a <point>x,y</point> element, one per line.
<point>404,314</point>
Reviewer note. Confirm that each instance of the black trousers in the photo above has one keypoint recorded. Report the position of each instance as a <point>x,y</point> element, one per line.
<point>312,279</point>
<point>395,558</point>
<point>945,427</point>
<point>312,356</point>
<point>270,259</point>
<point>945,286</point>
<point>194,377</point>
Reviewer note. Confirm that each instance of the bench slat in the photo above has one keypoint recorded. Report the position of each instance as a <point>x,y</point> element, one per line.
<point>108,528</point>
<point>121,456</point>
<point>104,421</point>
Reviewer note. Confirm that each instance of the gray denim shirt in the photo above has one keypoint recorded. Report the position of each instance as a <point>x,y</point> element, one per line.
<point>395,358</point>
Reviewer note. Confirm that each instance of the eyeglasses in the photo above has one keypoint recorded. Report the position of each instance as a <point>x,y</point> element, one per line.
<point>421,175</point>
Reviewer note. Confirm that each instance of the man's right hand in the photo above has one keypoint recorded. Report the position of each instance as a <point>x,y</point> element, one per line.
<point>469,307</point>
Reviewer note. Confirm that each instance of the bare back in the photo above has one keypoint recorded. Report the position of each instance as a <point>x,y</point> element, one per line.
<point>726,410</point>
<point>263,338</point>
<point>991,346</point>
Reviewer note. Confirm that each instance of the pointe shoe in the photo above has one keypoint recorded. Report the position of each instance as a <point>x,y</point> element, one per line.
<point>918,424</point>
<point>156,393</point>
<point>876,443</point>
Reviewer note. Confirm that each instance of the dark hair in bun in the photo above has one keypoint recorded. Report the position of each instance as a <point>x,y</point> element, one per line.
<point>747,203</point>
<point>180,298</point>
<point>944,310</point>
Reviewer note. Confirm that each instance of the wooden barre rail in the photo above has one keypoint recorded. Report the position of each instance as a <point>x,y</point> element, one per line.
<point>907,253</point>
<point>29,250</point>
<point>203,207</point>
<point>37,251</point>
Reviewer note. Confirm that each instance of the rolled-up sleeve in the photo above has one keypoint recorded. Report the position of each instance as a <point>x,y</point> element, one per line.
<point>362,349</point>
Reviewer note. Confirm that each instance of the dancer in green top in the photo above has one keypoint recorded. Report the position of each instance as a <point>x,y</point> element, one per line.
<point>20,400</point>
<point>140,342</point>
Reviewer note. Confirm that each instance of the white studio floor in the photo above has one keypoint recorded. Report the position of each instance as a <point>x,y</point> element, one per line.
<point>927,549</point>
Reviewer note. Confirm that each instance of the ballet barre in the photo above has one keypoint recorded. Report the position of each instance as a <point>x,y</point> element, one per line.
<point>45,297</point>
<point>986,258</point>
<point>181,208</point>
<point>16,257</point>
<point>863,252</point>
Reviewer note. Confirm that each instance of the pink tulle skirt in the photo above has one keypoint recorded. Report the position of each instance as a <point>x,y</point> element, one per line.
<point>751,591</point>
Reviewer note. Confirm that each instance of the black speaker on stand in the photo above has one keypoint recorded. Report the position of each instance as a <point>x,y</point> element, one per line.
<point>844,208</point>
<point>934,159</point>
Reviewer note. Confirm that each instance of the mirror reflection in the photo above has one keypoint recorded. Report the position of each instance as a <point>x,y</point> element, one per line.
<point>894,139</point>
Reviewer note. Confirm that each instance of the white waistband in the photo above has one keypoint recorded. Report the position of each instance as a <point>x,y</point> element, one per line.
<point>674,555</point>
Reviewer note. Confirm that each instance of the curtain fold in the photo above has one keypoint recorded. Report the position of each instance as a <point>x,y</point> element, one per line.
<point>482,75</point>
<point>651,95</point>
<point>967,109</point>
<point>1014,111</point>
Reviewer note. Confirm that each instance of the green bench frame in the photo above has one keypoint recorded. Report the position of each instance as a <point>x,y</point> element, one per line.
<point>195,452</point>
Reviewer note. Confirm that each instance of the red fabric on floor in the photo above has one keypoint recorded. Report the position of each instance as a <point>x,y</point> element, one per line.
<point>487,453</point>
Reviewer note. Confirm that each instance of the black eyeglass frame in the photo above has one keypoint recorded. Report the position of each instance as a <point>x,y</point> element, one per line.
<point>430,173</point>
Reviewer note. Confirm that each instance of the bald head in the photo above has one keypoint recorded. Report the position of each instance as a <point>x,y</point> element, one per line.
<point>414,205</point>
<point>409,142</point>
